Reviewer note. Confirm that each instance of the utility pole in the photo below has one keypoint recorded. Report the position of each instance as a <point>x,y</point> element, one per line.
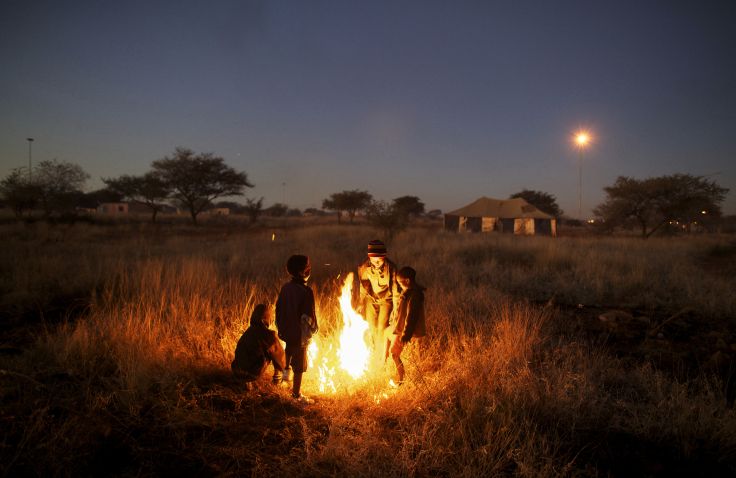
<point>30,165</point>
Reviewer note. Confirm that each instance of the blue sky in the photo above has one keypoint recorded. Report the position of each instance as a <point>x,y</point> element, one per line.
<point>444,100</point>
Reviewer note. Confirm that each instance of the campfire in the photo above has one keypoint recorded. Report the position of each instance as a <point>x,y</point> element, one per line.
<point>346,357</point>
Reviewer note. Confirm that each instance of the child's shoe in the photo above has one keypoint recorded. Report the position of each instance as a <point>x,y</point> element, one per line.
<point>303,400</point>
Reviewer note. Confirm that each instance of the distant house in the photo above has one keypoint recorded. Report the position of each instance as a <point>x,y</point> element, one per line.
<point>510,216</point>
<point>113,208</point>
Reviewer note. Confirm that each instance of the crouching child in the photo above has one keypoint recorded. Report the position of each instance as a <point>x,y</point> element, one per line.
<point>409,318</point>
<point>257,348</point>
<point>296,321</point>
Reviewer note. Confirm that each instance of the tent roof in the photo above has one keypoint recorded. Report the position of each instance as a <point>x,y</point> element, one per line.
<point>501,208</point>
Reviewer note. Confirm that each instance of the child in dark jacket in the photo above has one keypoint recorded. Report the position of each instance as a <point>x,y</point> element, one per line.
<point>296,320</point>
<point>409,318</point>
<point>258,347</point>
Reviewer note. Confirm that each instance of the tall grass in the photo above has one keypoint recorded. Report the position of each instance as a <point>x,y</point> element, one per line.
<point>138,382</point>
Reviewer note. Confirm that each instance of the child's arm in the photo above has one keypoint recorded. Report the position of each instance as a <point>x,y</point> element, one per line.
<point>415,309</point>
<point>312,311</point>
<point>277,354</point>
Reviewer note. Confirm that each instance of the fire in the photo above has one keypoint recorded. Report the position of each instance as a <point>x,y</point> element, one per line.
<point>354,352</point>
<point>347,356</point>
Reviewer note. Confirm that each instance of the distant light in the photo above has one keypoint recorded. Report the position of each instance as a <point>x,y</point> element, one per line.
<point>582,138</point>
<point>703,212</point>
<point>273,236</point>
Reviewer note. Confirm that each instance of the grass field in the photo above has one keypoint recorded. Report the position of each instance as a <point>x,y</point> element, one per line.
<point>116,344</point>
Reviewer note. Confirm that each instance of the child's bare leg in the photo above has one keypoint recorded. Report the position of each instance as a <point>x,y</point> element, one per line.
<point>399,367</point>
<point>396,348</point>
<point>296,391</point>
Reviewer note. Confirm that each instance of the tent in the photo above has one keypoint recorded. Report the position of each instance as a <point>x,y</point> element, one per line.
<point>501,215</point>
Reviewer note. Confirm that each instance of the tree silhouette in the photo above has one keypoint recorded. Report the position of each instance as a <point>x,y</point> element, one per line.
<point>195,180</point>
<point>653,202</point>
<point>18,192</point>
<point>253,208</point>
<point>545,202</point>
<point>59,184</point>
<point>149,189</point>
<point>388,218</point>
<point>409,205</point>
<point>348,201</point>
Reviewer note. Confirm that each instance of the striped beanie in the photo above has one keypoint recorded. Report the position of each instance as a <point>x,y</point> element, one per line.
<point>376,248</point>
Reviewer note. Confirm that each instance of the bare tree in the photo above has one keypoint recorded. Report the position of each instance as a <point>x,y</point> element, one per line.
<point>18,192</point>
<point>253,209</point>
<point>388,218</point>
<point>59,184</point>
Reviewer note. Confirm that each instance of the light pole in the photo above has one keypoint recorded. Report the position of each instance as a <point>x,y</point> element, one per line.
<point>582,138</point>
<point>30,173</point>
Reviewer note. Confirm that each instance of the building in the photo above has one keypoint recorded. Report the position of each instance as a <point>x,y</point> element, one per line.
<point>510,216</point>
<point>113,208</point>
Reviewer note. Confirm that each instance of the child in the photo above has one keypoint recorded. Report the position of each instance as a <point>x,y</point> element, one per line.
<point>296,321</point>
<point>257,347</point>
<point>379,291</point>
<point>409,318</point>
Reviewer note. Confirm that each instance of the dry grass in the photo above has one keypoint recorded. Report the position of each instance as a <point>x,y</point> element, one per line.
<point>136,382</point>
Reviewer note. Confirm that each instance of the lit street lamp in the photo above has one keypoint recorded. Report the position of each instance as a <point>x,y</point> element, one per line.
<point>582,138</point>
<point>30,174</point>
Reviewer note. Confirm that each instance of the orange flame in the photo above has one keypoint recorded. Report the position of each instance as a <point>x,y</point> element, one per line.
<point>345,358</point>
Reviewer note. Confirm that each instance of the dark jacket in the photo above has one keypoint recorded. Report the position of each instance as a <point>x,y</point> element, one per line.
<point>387,289</point>
<point>256,348</point>
<point>295,300</point>
<point>410,316</point>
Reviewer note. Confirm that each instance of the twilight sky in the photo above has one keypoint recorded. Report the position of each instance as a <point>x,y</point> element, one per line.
<point>445,100</point>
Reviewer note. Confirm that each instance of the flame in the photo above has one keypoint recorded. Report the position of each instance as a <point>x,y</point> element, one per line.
<point>345,359</point>
<point>354,352</point>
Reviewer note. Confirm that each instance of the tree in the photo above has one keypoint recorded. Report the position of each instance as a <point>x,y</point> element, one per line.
<point>348,201</point>
<point>545,202</point>
<point>435,214</point>
<point>18,192</point>
<point>195,180</point>
<point>149,189</point>
<point>59,184</point>
<point>253,209</point>
<point>94,198</point>
<point>388,218</point>
<point>653,202</point>
<point>234,207</point>
<point>313,211</point>
<point>277,210</point>
<point>294,212</point>
<point>410,205</point>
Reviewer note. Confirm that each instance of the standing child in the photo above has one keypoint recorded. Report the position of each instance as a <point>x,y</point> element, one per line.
<point>379,291</point>
<point>257,347</point>
<point>296,321</point>
<point>409,318</point>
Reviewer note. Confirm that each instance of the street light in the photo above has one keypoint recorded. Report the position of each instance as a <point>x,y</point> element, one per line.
<point>582,138</point>
<point>30,173</point>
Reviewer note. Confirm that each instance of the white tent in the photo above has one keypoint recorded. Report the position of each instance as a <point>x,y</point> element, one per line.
<point>501,215</point>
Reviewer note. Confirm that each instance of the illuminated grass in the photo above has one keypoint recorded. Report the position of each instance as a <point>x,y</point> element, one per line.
<point>137,380</point>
